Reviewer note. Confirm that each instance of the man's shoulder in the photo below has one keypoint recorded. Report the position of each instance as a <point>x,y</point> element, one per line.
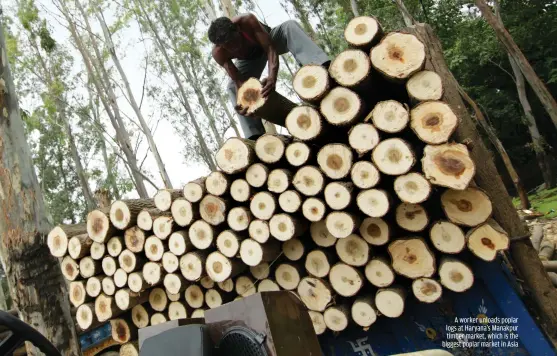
<point>245,19</point>
<point>219,54</point>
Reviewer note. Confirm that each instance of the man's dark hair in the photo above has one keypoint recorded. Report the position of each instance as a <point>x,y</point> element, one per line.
<point>222,30</point>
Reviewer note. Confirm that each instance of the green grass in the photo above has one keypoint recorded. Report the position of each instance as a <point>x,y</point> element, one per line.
<point>543,201</point>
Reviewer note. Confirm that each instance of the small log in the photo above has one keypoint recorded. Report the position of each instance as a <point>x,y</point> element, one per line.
<point>411,217</point>
<point>123,213</point>
<point>398,56</point>
<point>346,280</point>
<point>99,227</point>
<point>106,308</point>
<point>284,227</point>
<point>279,180</point>
<point>290,201</point>
<point>297,154</point>
<point>427,290</point>
<point>213,209</point>
<point>136,282</point>
<point>215,298</point>
<point>536,237</point>
<point>206,282</point>
<point>390,301</point>
<point>194,190</point>
<point>120,278</point>
<point>374,203</point>
<point>226,286</point>
<point>141,314</point>
<point>288,276</point>
<point>412,258</point>
<point>455,275</point>
<point>364,175</point>
<point>228,243</point>
<point>130,262</point>
<point>335,160</point>
<point>448,165</point>
<point>363,311</point>
<point>351,69</point>
<point>126,299</point>
<point>183,212</point>
<point>152,273</point>
<point>164,198</point>
<point>217,183</point>
<point>236,155</point>
<point>270,148</point>
<point>97,250</point>
<point>163,226</point>
<point>304,123</point>
<point>58,238</point>
<point>363,32</point>
<point>315,293</point>
<point>261,271</point>
<point>353,250</point>
<point>85,316</point>
<point>240,190</point>
<point>78,293</point>
<point>134,238</point>
<point>122,331</point>
<point>201,234</point>
<point>244,286</point>
<point>433,122</point>
<point>321,235</point>
<point>115,245</point>
<point>318,263</point>
<point>179,243</point>
<point>293,249</point>
<point>273,108</point>
<point>108,286</point>
<point>253,253</point>
<point>425,86</point>
<point>486,240</point>
<point>393,157</point>
<point>341,107</point>
<point>177,310</point>
<point>338,195</point>
<point>375,231</point>
<point>267,285</point>
<point>194,296</point>
<point>93,287</point>
<point>309,181</point>
<point>412,188</point>
<point>363,138</point>
<point>379,272</point>
<point>389,116</point>
<point>311,83</point>
<point>70,268</point>
<point>256,175</point>
<point>263,205</point>
<point>547,247</point>
<point>192,263</point>
<point>219,267</point>
<point>129,349</point>
<point>175,283</point>
<point>198,313</point>
<point>158,318</point>
<point>447,237</point>
<point>337,317</point>
<point>109,265</point>
<point>342,223</point>
<point>154,248</point>
<point>469,207</point>
<point>259,231</point>
<point>170,262</point>
<point>79,246</point>
<point>88,267</point>
<point>239,218</point>
<point>173,297</point>
<point>158,299</point>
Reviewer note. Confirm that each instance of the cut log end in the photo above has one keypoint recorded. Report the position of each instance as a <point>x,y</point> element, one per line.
<point>364,175</point>
<point>129,349</point>
<point>486,240</point>
<point>320,234</point>
<point>350,68</point>
<point>279,180</point>
<point>154,249</point>
<point>338,195</point>
<point>170,262</point>
<point>134,239</point>
<point>244,286</point>
<point>198,313</point>
<point>284,227</point>
<point>304,123</point>
<point>114,246</point>
<point>433,122</point>
<point>412,258</point>
<point>79,246</point>
<point>201,235</point>
<point>235,156</point>
<point>261,271</point>
<point>240,190</point>
<point>375,231</point>
<point>152,273</point>
<point>425,86</point>
<point>98,225</point>
<point>341,224</point>
<point>228,243</point>
<point>270,148</point>
<point>109,265</point>
<point>311,82</point>
<point>213,210</point>
<point>263,205</point>
<point>88,267</point>
<point>164,197</point>
<point>194,296</point>
<point>239,218</point>
<point>136,282</point>
<point>362,32</point>
<point>97,250</point>
<point>353,250</point>
<point>249,95</point>
<point>70,268</point>
<point>226,286</point>
<point>121,331</point>
<point>57,242</point>
<point>251,252</point>
<point>94,286</point>
<point>469,207</point>
<point>140,316</point>
<point>195,190</point>
<point>217,183</point>
<point>309,181</point>
<point>256,175</point>
<point>174,283</point>
<point>363,138</point>
<point>390,302</point>
<point>427,290</point>
<point>213,298</point>
<point>267,285</point>
<point>158,299</point>
<point>182,212</point>
<point>293,249</point>
<point>389,116</point>
<point>411,217</point>
<point>373,202</point>
<point>379,273</point>
<point>290,201</point>
<point>345,280</point>
<point>85,316</point>
<point>287,276</point>
<point>297,154</point>
<point>317,264</point>
<point>177,310</point>
<point>191,265</point>
<point>163,227</point>
<point>341,107</point>
<point>455,275</point>
<point>120,278</point>
<point>78,293</point>
<point>335,160</point>
<point>105,307</point>
<point>363,312</point>
<point>108,286</point>
<point>337,318</point>
<point>393,157</point>
<point>220,268</point>
<point>412,188</point>
<point>398,55</point>
<point>448,165</point>
<point>259,231</point>
<point>120,215</point>
<point>158,318</point>
<point>179,243</point>
<point>315,293</point>
<point>447,237</point>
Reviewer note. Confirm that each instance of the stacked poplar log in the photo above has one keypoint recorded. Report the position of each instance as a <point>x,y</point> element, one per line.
<point>341,212</point>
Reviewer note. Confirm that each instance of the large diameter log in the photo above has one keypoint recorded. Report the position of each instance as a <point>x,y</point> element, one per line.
<point>455,275</point>
<point>315,293</point>
<point>284,227</point>
<point>244,286</point>
<point>174,283</point>
<point>179,243</point>
<point>58,238</point>
<point>321,235</point>
<point>93,286</point>
<point>120,278</point>
<point>141,315</point>
<point>297,154</point>
<point>261,271</point>
<point>353,250</point>
<point>314,209</point>
<point>427,290</point>
<point>115,245</point>
<point>109,265</point>
<point>236,155</point>
<point>342,224</point>
<point>270,148</point>
<point>412,258</point>
<point>363,32</point>
<point>363,138</point>
<point>99,226</point>
<point>393,157</point>
<point>290,201</point>
<point>78,293</point>
<point>273,108</point>
<point>374,203</point>
<point>134,238</point>
<point>469,207</point>
<point>263,205</point>
<point>304,123</point>
<point>363,312</point>
<point>309,181</point>
<point>375,231</point>
<point>217,183</point>
<point>219,267</point>
<point>256,175</point>
<point>335,160</point>
<point>126,299</point>
<point>70,268</point>
<point>279,180</point>
<point>97,251</point>
<point>267,285</point>
<point>379,272</point>
<point>338,195</point>
<point>412,188</point>
<point>136,282</point>
<point>163,226</point>
<point>228,243</point>
<point>130,262</point>
<point>288,276</point>
<point>177,310</point>
<point>164,197</point>
<point>425,86</point>
<point>486,240</point>
<point>152,273</point>
<point>447,237</point>
<point>89,267</point>
<point>318,263</point>
<point>351,68</point>
<point>253,253</point>
<point>433,122</point>
<point>448,165</point>
<point>123,213</point>
<point>398,55</point>
<point>389,116</point>
<point>411,217</point>
<point>122,331</point>
<point>158,299</point>
<point>259,231</point>
<point>293,249</point>
<point>194,296</point>
<point>191,265</point>
<point>154,248</point>
<point>346,280</point>
<point>85,316</point>
<point>170,262</point>
<point>341,107</point>
<point>337,317</point>
<point>195,190</point>
<point>239,218</point>
<point>106,308</point>
<point>79,246</point>
<point>213,209</point>
<point>390,301</point>
<point>311,83</point>
<point>240,190</point>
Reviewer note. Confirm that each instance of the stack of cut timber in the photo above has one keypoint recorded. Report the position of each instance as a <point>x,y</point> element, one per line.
<point>367,203</point>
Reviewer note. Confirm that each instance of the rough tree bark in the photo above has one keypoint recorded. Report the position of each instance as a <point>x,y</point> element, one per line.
<point>37,287</point>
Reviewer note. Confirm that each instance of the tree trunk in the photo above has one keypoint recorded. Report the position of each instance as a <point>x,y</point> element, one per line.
<point>354,7</point>
<point>406,16</point>
<point>37,287</point>
<point>521,61</point>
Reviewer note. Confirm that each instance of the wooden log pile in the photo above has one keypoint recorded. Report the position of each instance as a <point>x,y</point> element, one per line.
<point>367,203</point>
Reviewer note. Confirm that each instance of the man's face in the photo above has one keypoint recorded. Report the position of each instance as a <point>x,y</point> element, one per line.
<point>234,44</point>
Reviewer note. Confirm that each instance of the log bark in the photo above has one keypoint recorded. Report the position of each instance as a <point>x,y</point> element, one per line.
<point>412,258</point>
<point>123,213</point>
<point>346,280</point>
<point>58,238</point>
<point>164,198</point>
<point>537,236</point>
<point>547,250</point>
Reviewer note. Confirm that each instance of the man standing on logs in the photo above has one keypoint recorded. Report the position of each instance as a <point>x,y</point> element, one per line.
<point>252,44</point>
